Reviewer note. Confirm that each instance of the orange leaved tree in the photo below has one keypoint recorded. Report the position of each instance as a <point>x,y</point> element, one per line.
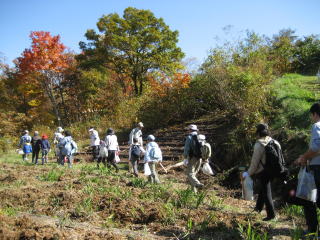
<point>48,59</point>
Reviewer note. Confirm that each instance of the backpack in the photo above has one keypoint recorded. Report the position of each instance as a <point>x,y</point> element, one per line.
<point>68,146</point>
<point>155,153</point>
<point>275,164</point>
<point>195,147</point>
<point>205,151</point>
<point>135,151</point>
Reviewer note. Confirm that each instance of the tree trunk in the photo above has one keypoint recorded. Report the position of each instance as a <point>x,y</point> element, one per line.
<point>48,88</point>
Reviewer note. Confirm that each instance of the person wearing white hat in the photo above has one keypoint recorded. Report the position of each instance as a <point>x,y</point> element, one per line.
<point>26,138</point>
<point>192,152</point>
<point>94,142</point>
<point>56,139</point>
<point>153,155</point>
<point>135,133</point>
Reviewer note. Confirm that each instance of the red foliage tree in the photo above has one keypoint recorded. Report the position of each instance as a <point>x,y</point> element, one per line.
<point>46,57</point>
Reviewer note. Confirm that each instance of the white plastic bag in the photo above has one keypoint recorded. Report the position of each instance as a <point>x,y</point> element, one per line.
<point>117,158</point>
<point>307,188</point>
<point>147,170</point>
<point>247,188</point>
<point>206,169</point>
<point>103,152</point>
<point>20,151</point>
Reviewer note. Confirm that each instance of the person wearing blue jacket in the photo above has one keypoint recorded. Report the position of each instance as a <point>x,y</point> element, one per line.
<point>45,148</point>
<point>152,156</point>
<point>25,144</point>
<point>312,157</point>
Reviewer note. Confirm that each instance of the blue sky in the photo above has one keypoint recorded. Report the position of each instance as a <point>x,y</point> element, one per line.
<point>199,22</point>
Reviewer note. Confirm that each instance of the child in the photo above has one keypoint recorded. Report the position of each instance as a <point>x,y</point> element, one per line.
<point>45,147</point>
<point>27,149</point>
<point>152,156</point>
<point>134,155</point>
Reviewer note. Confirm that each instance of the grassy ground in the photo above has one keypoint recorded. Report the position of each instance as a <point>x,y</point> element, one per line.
<point>294,95</point>
<point>84,202</point>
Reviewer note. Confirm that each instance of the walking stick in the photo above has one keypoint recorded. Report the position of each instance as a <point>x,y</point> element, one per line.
<point>163,167</point>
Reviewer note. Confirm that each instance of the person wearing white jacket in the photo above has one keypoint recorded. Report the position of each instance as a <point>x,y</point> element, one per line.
<point>113,147</point>
<point>152,156</point>
<point>94,142</point>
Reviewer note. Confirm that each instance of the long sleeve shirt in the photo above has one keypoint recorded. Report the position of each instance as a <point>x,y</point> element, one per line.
<point>112,143</point>
<point>94,138</point>
<point>259,155</point>
<point>136,133</point>
<point>314,144</point>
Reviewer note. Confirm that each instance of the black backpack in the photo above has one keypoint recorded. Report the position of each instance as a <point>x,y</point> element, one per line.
<point>195,150</point>
<point>275,164</point>
<point>135,151</point>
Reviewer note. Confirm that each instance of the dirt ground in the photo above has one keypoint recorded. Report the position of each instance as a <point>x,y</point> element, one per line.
<point>54,202</point>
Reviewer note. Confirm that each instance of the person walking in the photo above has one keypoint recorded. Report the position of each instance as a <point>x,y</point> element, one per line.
<point>25,145</point>
<point>135,133</point>
<point>36,147</point>
<point>135,153</point>
<point>153,155</point>
<point>192,153</point>
<point>312,158</point>
<point>68,149</point>
<point>45,148</point>
<point>258,161</point>
<point>94,143</point>
<point>112,146</point>
<point>58,136</point>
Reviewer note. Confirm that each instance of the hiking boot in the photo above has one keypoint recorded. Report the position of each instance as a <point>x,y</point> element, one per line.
<point>269,218</point>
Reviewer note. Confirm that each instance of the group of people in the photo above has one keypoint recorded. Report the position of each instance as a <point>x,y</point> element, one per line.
<point>65,146</point>
<point>33,145</point>
<point>310,159</point>
<point>194,153</point>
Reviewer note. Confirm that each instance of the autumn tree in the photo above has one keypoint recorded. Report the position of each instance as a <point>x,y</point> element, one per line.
<point>282,50</point>
<point>133,45</point>
<point>45,60</point>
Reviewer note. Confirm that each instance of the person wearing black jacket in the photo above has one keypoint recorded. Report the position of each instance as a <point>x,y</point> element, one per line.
<point>36,146</point>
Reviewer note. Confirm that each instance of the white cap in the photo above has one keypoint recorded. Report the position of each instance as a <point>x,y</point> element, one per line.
<point>193,127</point>
<point>151,137</point>
<point>91,129</point>
<point>60,129</point>
<point>201,137</point>
<point>140,124</point>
